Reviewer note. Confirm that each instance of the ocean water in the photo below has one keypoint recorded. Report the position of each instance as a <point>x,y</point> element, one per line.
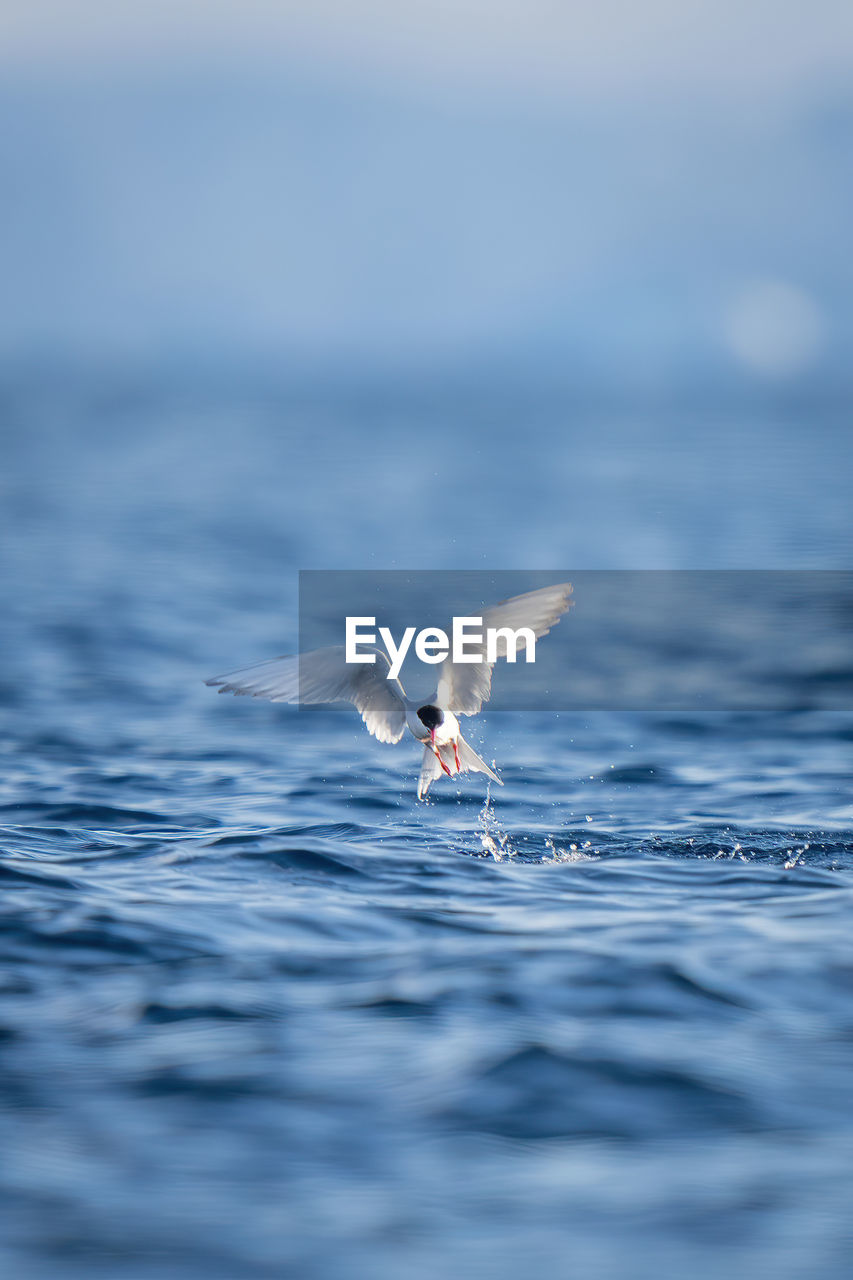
<point>263,1014</point>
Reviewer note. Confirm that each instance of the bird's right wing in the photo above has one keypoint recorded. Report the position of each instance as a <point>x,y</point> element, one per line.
<point>323,675</point>
<point>464,687</point>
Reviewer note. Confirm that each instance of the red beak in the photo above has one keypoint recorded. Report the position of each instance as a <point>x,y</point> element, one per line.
<point>432,736</point>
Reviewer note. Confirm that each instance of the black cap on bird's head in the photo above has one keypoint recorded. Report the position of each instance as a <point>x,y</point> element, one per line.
<point>430,716</point>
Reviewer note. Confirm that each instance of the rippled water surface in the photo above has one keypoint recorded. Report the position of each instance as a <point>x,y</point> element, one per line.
<point>264,1014</point>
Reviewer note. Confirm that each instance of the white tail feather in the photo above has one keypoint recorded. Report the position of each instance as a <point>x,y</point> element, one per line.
<point>469,762</point>
<point>430,770</point>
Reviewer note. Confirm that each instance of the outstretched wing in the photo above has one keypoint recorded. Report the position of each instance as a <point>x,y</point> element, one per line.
<point>323,675</point>
<point>464,687</point>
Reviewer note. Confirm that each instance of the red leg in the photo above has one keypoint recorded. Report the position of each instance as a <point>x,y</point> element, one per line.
<point>441,762</point>
<point>456,757</point>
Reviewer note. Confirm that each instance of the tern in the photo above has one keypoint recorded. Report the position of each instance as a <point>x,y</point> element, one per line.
<point>323,676</point>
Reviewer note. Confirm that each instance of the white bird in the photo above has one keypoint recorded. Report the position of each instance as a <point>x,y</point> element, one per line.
<point>323,675</point>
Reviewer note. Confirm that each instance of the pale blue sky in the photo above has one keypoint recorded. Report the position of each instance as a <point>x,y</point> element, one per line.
<point>536,47</point>
<point>611,187</point>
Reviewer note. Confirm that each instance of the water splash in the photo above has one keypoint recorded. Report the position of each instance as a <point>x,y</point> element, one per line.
<point>574,853</point>
<point>493,839</point>
<point>496,842</point>
<point>796,857</point>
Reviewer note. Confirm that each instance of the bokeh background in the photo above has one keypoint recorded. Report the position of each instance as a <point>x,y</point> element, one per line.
<point>373,285</point>
<point>589,262</point>
<point>631,197</point>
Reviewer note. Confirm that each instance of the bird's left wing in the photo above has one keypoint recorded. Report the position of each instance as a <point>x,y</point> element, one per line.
<point>323,675</point>
<point>464,687</point>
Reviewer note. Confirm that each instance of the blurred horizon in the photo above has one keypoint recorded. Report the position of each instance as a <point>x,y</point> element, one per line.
<point>654,202</point>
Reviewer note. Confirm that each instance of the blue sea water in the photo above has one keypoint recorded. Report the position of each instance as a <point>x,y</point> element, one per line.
<point>263,1014</point>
